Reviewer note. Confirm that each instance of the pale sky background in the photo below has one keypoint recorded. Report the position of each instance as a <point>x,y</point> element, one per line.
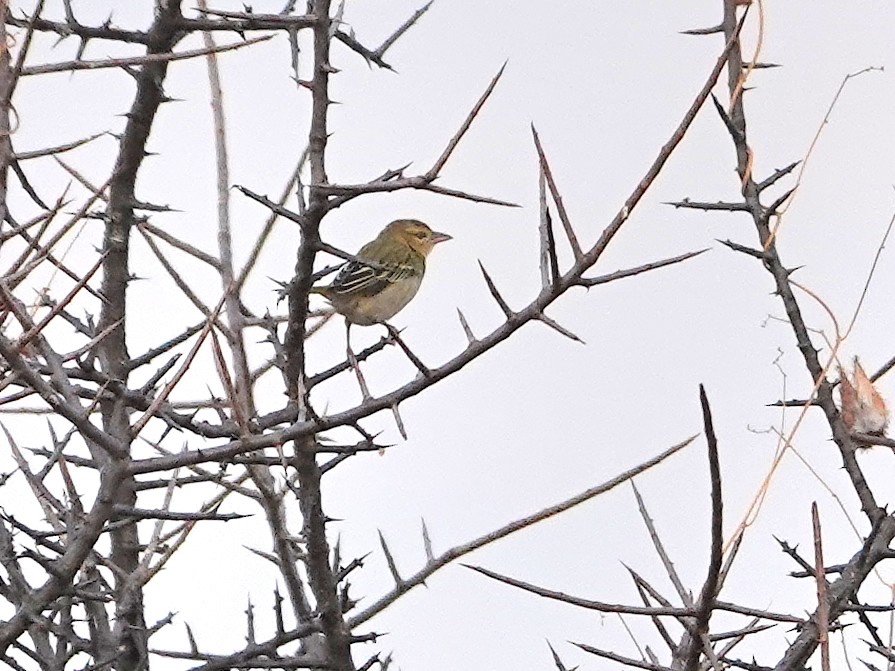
<point>540,418</point>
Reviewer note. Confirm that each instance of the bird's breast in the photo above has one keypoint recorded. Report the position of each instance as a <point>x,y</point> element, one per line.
<point>386,304</point>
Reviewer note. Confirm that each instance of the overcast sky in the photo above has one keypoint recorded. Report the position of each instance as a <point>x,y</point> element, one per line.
<point>541,417</point>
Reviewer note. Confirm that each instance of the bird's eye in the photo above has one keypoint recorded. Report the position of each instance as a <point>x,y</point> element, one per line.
<point>421,235</point>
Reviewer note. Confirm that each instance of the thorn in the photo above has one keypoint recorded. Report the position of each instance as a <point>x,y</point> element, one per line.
<point>557,198</point>
<point>399,422</point>
<point>728,122</point>
<point>548,262</point>
<point>703,31</point>
<point>278,610</point>
<point>630,272</point>
<point>414,359</point>
<point>559,329</point>
<point>250,622</point>
<point>556,660</point>
<point>780,172</point>
<point>758,254</point>
<point>495,293</point>
<point>427,542</point>
<point>337,551</point>
<point>709,207</point>
<point>470,337</point>
<point>396,172</point>
<point>773,207</point>
<point>389,559</point>
<point>189,634</point>
<point>264,555</point>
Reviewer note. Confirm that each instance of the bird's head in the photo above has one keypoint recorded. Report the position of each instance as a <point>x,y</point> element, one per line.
<point>415,234</point>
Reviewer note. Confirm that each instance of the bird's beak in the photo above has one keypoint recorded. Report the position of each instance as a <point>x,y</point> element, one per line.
<point>440,237</point>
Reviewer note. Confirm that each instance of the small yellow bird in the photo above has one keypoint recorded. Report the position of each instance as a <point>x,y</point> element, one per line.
<point>386,275</point>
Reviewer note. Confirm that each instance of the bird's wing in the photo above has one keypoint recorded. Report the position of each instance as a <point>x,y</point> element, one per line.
<point>362,279</point>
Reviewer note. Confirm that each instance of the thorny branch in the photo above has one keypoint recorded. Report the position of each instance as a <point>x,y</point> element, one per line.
<point>836,596</point>
<point>92,560</point>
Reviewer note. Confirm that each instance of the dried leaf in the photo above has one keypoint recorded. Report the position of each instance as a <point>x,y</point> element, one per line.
<point>863,408</point>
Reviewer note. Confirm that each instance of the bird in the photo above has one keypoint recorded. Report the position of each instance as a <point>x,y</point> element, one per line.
<point>381,279</point>
<point>384,275</point>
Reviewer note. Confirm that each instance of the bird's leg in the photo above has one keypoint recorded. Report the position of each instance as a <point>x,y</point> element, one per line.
<point>353,362</point>
<point>414,359</point>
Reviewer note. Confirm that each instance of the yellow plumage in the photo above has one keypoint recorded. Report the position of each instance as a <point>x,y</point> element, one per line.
<point>386,275</point>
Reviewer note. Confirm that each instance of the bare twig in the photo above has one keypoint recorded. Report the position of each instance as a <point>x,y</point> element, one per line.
<point>823,624</point>
<point>71,66</point>
<point>461,550</point>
